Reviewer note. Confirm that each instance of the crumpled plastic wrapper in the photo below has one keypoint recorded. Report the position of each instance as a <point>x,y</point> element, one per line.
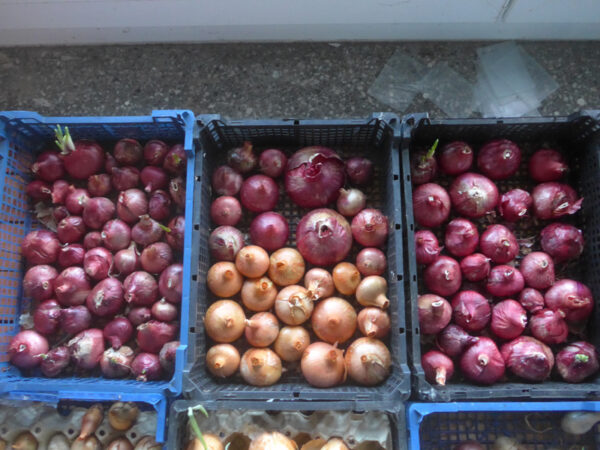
<point>360,431</point>
<point>449,91</point>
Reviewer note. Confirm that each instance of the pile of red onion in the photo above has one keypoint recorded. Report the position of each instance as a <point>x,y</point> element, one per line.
<point>494,304</point>
<point>106,278</point>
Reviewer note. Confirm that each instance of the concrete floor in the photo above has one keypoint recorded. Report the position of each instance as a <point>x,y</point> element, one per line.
<point>257,80</point>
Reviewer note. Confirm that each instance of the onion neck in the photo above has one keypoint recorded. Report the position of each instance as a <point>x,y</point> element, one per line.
<point>437,308</point>
<point>219,362</point>
<point>371,329</point>
<point>483,359</point>
<point>256,363</point>
<point>374,364</point>
<point>440,376</point>
<point>381,301</point>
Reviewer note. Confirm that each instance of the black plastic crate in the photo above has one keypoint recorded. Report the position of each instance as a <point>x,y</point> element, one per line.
<point>578,136</point>
<point>178,419</point>
<point>378,138</point>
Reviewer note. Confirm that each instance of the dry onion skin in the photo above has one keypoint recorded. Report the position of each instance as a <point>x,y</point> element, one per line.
<point>212,443</point>
<point>223,279</point>
<point>291,343</point>
<point>225,321</point>
<point>286,266</point>
<point>258,294</point>
<point>222,360</point>
<point>260,367</point>
<point>368,361</point>
<point>122,416</point>
<point>272,441</point>
<point>293,305</point>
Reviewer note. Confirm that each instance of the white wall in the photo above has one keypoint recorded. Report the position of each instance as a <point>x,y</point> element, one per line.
<point>31,22</point>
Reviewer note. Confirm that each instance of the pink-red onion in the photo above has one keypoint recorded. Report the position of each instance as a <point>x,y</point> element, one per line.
<point>226,181</point>
<point>70,229</point>
<point>547,165</point>
<point>92,240</point>
<point>139,315</point>
<point>82,158</point>
<point>155,152</point>
<point>482,363</point>
<point>443,276</point>
<point>159,205</point>
<point>176,236</point>
<point>427,247</point>
<point>154,178</point>
<point>38,190</point>
<point>59,213</point>
<point>55,361</point>
<point>572,297</point>
<point>156,257</point>
<point>127,152</point>
<point>538,270</point>
<point>147,231</point>
<point>123,178</point>
<point>562,241</point>
<point>549,326</point>
<point>324,237</point>
<point>71,287</point>
<point>110,163</point>
<point>175,160</point>
<point>373,322</point>
<point>532,300</point>
<point>368,361</point>
<point>437,367</point>
<point>453,340</point>
<point>553,200</point>
<point>471,311</point>
<point>475,267</point>
<point>473,195</point>
<point>132,204</point>
<point>167,356</point>
<point>456,158</point>
<point>46,318</point>
<point>261,329</point>
<point>152,335</point>
<point>259,193</point>
<point>116,235</point>
<point>164,311</point>
<point>106,299</point>
<point>116,363</point>
<point>141,289</point>
<point>434,313</point>
<point>99,185</point>
<point>272,162</point>
<point>509,319</point>
<point>126,261</point>
<point>269,230</point>
<point>118,331</point>
<point>170,283</point>
<point>351,202</point>
<point>86,348</point>
<point>242,159</point>
<point>38,282</point>
<point>177,191</point>
<point>371,261</point>
<point>60,189</point>
<point>528,358</point>
<point>48,166</point>
<point>431,205</point>
<point>225,210</point>
<point>26,349</point>
<point>359,171</point>
<point>98,211</point>
<point>423,166</point>
<point>499,244</point>
<point>75,319</point>
<point>40,247</point>
<point>323,365</point>
<point>499,159</point>
<point>76,199</point>
<point>577,361</point>
<point>514,205</point>
<point>97,263</point>
<point>370,228</point>
<point>146,367</point>
<point>505,281</point>
<point>314,176</point>
<point>225,242</point>
<point>461,237</point>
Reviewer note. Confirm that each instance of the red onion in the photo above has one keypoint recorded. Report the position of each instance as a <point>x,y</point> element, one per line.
<point>139,315</point>
<point>259,193</point>
<point>514,205</point>
<point>128,152</point>
<point>269,230</point>
<point>370,228</point>
<point>106,299</point>
<point>456,158</point>
<point>577,361</point>
<point>86,348</point>
<point>350,202</point>
<point>170,283</point>
<point>59,213</point>
<point>71,287</point>
<point>76,199</point>
<point>423,166</point>
<point>226,181</point>
<point>92,240</point>
<point>225,210</point>
<point>164,311</point>
<point>547,165</point>
<point>324,237</point>
<point>46,318</point>
<point>242,159</point>
<point>167,356</point>
<point>431,205</point>
<point>475,267</point>
<point>499,244</point>
<point>146,367</point>
<point>38,190</point>
<point>314,176</point>
<point>127,260</point>
<point>261,329</point>
<point>110,163</point>
<point>116,363</point>
<point>123,178</point>
<point>152,335</point>
<point>434,313</point>
<point>155,152</point>
<point>156,257</point>
<point>499,159</point>
<point>116,235</point>
<point>225,242</point>
<point>99,185</point>
<point>131,204</point>
<point>140,289</point>
<point>48,166</point>
<point>75,319</point>
<point>371,261</point>
<point>437,367</point>
<point>147,231</point>
<point>562,241</point>
<point>118,331</point>
<point>482,363</point>
<point>509,319</point>
<point>323,365</point>
<point>538,270</point>
<point>471,311</point>
<point>572,297</point>
<point>40,247</point>
<point>505,281</point>
<point>38,282</point>
<point>443,276</point>
<point>427,248</point>
<point>333,320</point>
<point>461,237</point>
<point>373,322</point>
<point>359,171</point>
<point>368,361</point>
<point>176,236</point>
<point>26,349</point>
<point>97,263</point>
<point>154,178</point>
<point>532,300</point>
<point>528,358</point>
<point>159,205</point>
<point>177,191</point>
<point>175,160</point>
<point>98,211</point>
<point>70,229</point>
<point>81,158</point>
<point>549,326</point>
<point>552,200</point>
<point>60,189</point>
<point>55,361</point>
<point>272,162</point>
<point>473,195</point>
<point>453,340</point>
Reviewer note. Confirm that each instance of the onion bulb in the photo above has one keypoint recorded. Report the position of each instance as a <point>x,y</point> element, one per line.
<point>368,361</point>
<point>272,441</point>
<point>346,278</point>
<point>323,365</point>
<point>291,343</point>
<point>222,360</point>
<point>252,261</point>
<point>260,367</point>
<point>258,294</point>
<point>223,279</point>
<point>225,321</point>
<point>293,305</point>
<point>372,292</point>
<point>122,416</point>
<point>261,329</point>
<point>334,320</point>
<point>373,322</point>
<point>319,283</point>
<point>286,266</point>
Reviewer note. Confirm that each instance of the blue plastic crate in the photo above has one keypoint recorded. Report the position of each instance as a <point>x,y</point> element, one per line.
<point>443,425</point>
<point>24,134</point>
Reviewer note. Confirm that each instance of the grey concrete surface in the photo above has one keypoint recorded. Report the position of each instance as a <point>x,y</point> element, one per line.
<point>318,80</point>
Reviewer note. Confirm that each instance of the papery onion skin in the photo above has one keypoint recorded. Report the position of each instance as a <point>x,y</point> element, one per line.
<point>226,181</point>
<point>261,329</point>
<point>40,247</point>
<point>373,322</point>
<point>55,361</point>
<point>140,289</point>
<point>128,151</point>
<point>83,159</point>
<point>350,202</point>
<point>438,367</point>
<point>46,318</point>
<point>116,363</point>
<point>116,235</point>
<point>75,319</point>
<point>225,321</point>
<point>242,159</point>
<point>359,171</point>
<point>147,231</point>
<point>97,263</point>
<point>423,167</point>
<point>270,440</point>
<point>131,204</point>
<point>461,237</point>
<point>127,261</point>
<point>372,291</point>
<point>175,160</point>
<point>48,166</point>
<point>259,193</point>
<point>334,320</point>
<point>252,261</point>
<point>572,297</point>
<point>368,361</point>
<point>155,152</point>
<point>528,358</point>
<point>146,367</point>
<point>225,242</point>
<point>159,205</point>
<point>471,311</point>
<point>431,205</point>
<point>499,244</point>
<point>286,266</point>
<point>291,343</point>
<point>38,190</point>
<point>222,360</point>
<point>319,283</point>
<point>371,261</point>
<point>293,305</point>
<point>258,294</point>
<point>532,300</point>
<point>225,210</point>
<point>123,178</point>
<point>118,331</point>
<point>427,247</point>
<point>38,282</point>
<point>176,237</point>
<point>324,237</point>
<point>92,240</point>
<point>346,278</point>
<point>170,283</point>
<point>76,199</point>
<point>434,313</point>
<point>499,159</point>
<point>370,228</point>
<point>156,257</point>
<point>505,281</point>
<point>167,356</point>
<point>71,287</point>
<point>86,348</point>
<point>164,311</point>
<point>482,363</point>
<point>443,276</point>
<point>26,349</point>
<point>577,361</point>
<point>224,280</point>
<point>538,270</point>
<point>323,365</point>
<point>98,211</point>
<point>177,191</point>
<point>260,367</point>
<point>547,165</point>
<point>272,162</point>
<point>549,326</point>
<point>269,230</point>
<point>106,299</point>
<point>152,335</point>
<point>509,319</point>
<point>455,158</point>
<point>139,315</point>
<point>514,205</point>
<point>473,195</point>
<point>562,241</point>
<point>453,340</point>
<point>60,189</point>
<point>553,200</point>
<point>475,267</point>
